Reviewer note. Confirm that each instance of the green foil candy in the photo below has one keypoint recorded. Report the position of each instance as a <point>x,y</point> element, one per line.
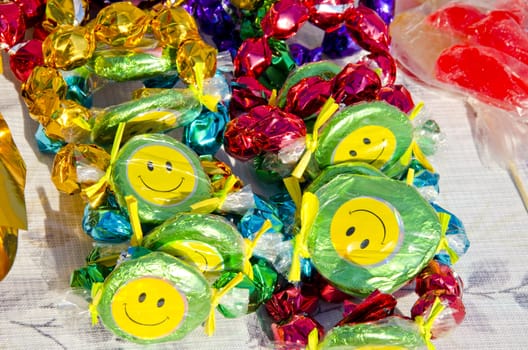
<point>282,63</point>
<point>370,232</point>
<point>391,333</point>
<point>154,298</point>
<point>372,132</point>
<point>157,112</point>
<point>163,174</point>
<point>208,241</point>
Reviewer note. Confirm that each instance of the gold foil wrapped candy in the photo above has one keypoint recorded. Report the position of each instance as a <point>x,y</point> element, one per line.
<point>194,51</point>
<point>70,123</point>
<point>13,214</point>
<point>62,12</point>
<point>173,25</point>
<point>68,47</point>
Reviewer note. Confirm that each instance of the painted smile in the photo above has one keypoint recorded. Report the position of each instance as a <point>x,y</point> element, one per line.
<point>143,324</point>
<point>156,190</point>
<point>380,220</point>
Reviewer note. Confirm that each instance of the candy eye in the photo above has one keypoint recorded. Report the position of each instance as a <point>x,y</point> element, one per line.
<point>364,244</point>
<point>366,141</point>
<point>150,166</point>
<point>161,302</point>
<point>142,297</point>
<point>350,231</point>
<point>352,153</point>
<point>168,166</point>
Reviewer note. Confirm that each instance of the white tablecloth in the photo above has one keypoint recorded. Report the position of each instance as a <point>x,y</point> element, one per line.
<point>37,309</point>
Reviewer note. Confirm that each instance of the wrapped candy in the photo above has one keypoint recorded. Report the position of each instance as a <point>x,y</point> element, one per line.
<point>207,241</point>
<point>106,223</point>
<point>14,217</point>
<point>363,236</point>
<point>153,298</point>
<point>164,175</point>
<point>24,57</point>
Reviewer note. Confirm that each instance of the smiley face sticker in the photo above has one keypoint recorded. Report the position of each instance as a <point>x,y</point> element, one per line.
<point>164,175</point>
<point>375,133</point>
<point>370,232</point>
<point>154,298</point>
<point>366,231</point>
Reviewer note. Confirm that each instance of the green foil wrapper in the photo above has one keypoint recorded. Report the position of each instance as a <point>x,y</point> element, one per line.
<point>208,241</point>
<point>157,112</point>
<point>324,69</point>
<point>391,333</point>
<point>370,232</point>
<point>371,132</point>
<point>154,298</point>
<point>125,65</point>
<point>163,174</point>
<point>282,63</point>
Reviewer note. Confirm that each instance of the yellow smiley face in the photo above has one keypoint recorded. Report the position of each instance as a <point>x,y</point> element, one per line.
<point>148,308</point>
<point>371,144</point>
<point>366,231</point>
<point>161,174</point>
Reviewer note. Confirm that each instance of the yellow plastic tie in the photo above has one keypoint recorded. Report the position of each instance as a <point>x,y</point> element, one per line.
<point>418,154</point>
<point>211,204</point>
<point>208,101</point>
<point>444,244</point>
<point>1,64</point>
<point>215,301</point>
<point>313,340</point>
<point>95,192</point>
<point>96,293</point>
<point>327,111</point>
<point>426,326</point>
<point>410,177</point>
<point>309,208</point>
<point>273,98</point>
<point>294,189</point>
<point>250,247</point>
<point>137,232</point>
<point>417,108</point>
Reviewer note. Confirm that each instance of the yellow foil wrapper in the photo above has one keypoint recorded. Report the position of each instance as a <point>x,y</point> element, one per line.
<point>121,24</point>
<point>245,4</point>
<point>172,26</point>
<point>70,122</point>
<point>73,159</point>
<point>189,53</point>
<point>62,12</point>
<point>68,47</point>
<point>42,93</point>
<point>13,213</point>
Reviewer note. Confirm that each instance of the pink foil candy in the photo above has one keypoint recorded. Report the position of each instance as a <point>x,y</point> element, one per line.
<point>247,93</point>
<point>355,82</point>
<point>440,277</point>
<point>306,98</point>
<point>367,28</point>
<point>373,308</point>
<point>253,57</point>
<point>296,330</point>
<point>284,19</point>
<point>241,140</point>
<point>328,14</point>
<point>12,25</point>
<point>32,9</point>
<point>398,96</point>
<point>285,304</point>
<point>24,57</point>
<point>453,314</point>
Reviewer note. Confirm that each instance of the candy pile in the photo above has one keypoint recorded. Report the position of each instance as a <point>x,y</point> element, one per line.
<point>350,217</point>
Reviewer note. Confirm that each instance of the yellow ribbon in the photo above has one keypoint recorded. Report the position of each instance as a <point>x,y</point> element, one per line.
<point>96,293</point>
<point>208,101</point>
<point>425,326</point>
<point>137,232</point>
<point>410,177</point>
<point>96,192</point>
<point>211,204</point>
<point>444,244</point>
<point>215,301</point>
<point>250,247</point>
<point>82,123</point>
<point>414,149</point>
<point>273,98</point>
<point>309,208</point>
<point>311,140</point>
<point>313,340</point>
<point>294,189</point>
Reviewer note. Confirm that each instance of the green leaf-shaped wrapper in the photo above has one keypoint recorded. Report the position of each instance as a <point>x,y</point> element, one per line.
<point>370,232</point>
<point>164,175</point>
<point>154,298</point>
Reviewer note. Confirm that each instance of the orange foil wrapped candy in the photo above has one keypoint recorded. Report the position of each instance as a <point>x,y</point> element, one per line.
<point>193,51</point>
<point>71,165</point>
<point>173,25</point>
<point>42,93</point>
<point>13,214</point>
<point>68,47</point>
<point>121,24</point>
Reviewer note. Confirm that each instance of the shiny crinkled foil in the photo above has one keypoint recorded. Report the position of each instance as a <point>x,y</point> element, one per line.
<point>174,25</point>
<point>69,122</point>
<point>61,12</point>
<point>13,214</point>
<point>191,52</point>
<point>68,47</point>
